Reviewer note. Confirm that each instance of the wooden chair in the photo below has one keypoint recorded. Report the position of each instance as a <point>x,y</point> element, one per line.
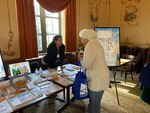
<point>128,67</point>
<point>148,56</point>
<point>137,62</point>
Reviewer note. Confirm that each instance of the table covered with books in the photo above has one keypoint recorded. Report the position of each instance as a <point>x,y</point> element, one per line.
<point>64,78</point>
<point>30,89</point>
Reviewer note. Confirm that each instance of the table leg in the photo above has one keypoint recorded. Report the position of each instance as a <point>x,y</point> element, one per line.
<point>114,74</point>
<point>68,101</point>
<point>20,111</point>
<point>64,94</point>
<point>68,95</point>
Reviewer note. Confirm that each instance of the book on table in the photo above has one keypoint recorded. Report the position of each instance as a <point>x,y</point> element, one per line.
<point>15,101</point>
<point>71,67</point>
<point>64,81</point>
<point>30,85</point>
<point>2,107</point>
<point>21,99</point>
<point>43,83</point>
<point>36,92</point>
<point>11,90</point>
<point>48,73</point>
<point>40,80</point>
<point>5,107</point>
<point>70,70</point>
<point>50,89</point>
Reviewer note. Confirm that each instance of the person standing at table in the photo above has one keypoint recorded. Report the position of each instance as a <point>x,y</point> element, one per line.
<point>97,72</point>
<point>55,53</point>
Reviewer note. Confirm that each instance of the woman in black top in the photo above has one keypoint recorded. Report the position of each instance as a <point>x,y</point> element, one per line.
<point>55,53</point>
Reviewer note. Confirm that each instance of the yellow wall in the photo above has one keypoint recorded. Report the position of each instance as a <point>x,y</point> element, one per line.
<point>10,52</point>
<point>110,15</point>
<point>137,34</point>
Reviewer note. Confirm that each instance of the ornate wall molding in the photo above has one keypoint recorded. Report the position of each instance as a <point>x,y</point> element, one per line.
<point>130,12</point>
<point>94,7</point>
<point>9,51</point>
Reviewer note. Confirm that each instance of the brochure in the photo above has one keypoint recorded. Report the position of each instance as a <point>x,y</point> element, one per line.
<point>21,99</point>
<point>5,107</point>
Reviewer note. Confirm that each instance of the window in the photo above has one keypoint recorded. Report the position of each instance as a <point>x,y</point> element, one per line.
<point>47,26</point>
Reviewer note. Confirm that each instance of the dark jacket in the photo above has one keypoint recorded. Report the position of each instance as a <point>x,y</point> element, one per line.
<point>51,56</point>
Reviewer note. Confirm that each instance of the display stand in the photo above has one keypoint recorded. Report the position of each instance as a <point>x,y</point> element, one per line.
<point>115,82</point>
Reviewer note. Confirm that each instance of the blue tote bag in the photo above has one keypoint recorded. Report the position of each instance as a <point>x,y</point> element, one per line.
<point>80,86</point>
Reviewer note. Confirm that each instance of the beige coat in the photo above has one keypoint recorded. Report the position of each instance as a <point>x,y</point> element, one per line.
<point>97,72</point>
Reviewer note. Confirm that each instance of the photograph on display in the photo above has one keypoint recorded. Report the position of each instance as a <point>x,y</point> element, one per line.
<point>2,68</point>
<point>109,38</point>
<point>19,68</point>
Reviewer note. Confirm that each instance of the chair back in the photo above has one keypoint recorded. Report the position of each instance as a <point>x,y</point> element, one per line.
<point>128,67</point>
<point>130,57</point>
<point>148,56</point>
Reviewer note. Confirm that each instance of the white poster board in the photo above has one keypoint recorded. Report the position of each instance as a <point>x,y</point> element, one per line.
<point>109,38</point>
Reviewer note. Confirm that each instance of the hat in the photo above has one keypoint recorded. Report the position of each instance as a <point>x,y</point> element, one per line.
<point>88,34</point>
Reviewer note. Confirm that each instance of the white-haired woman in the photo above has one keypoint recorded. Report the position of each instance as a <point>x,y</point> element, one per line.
<point>97,72</point>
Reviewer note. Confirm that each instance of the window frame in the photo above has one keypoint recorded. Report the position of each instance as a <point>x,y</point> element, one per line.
<point>43,28</point>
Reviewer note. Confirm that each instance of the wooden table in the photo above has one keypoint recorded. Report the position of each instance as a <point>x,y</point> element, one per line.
<point>122,62</point>
<point>67,87</point>
<point>21,107</point>
<point>68,99</point>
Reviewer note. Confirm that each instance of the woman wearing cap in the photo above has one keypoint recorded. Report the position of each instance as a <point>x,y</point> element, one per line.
<point>97,72</point>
